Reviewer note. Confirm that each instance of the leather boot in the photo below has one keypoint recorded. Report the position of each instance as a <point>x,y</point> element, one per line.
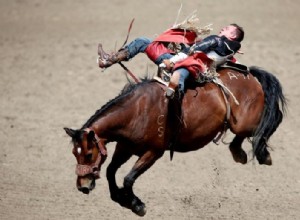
<point>106,60</point>
<point>170,91</point>
<point>173,85</point>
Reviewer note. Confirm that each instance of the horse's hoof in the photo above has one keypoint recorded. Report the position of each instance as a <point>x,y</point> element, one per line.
<point>140,210</point>
<point>268,160</point>
<point>240,158</point>
<point>138,207</point>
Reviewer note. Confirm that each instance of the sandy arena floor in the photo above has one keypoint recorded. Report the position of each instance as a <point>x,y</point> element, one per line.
<point>49,79</point>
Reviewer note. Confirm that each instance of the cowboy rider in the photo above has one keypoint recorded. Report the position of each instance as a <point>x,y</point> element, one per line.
<point>219,48</point>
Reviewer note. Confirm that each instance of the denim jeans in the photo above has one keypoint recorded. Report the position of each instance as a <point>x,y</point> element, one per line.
<point>184,73</point>
<point>162,57</point>
<point>139,45</point>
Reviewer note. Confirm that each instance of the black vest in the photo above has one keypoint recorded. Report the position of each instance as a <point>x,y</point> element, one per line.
<point>221,45</point>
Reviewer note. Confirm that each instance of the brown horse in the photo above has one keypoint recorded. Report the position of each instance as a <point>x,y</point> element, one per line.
<point>144,123</point>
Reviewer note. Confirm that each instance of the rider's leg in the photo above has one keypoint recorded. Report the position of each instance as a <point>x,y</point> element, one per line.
<point>137,46</point>
<point>133,48</point>
<point>163,57</point>
<point>177,81</point>
<point>169,62</point>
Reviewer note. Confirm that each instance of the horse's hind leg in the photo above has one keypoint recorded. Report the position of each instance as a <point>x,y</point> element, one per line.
<point>142,164</point>
<point>263,155</point>
<point>238,154</point>
<point>120,156</point>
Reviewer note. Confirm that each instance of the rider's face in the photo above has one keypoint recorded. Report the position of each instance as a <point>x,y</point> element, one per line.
<point>229,32</point>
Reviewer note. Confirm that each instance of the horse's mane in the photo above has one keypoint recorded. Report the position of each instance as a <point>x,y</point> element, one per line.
<point>128,89</point>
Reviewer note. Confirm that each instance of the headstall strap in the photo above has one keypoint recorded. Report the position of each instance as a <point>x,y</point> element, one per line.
<point>100,142</point>
<point>82,169</point>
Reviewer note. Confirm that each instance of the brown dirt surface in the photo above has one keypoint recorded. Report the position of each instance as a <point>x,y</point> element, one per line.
<point>49,79</point>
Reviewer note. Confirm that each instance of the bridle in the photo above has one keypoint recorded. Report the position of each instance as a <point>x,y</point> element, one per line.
<point>94,168</point>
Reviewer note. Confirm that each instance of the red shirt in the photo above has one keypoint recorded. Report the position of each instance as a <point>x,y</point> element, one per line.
<point>195,64</point>
<point>158,48</point>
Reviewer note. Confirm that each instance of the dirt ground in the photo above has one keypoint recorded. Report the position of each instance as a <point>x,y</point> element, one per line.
<point>49,79</point>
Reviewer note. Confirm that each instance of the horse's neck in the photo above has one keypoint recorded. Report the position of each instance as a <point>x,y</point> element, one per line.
<point>119,120</point>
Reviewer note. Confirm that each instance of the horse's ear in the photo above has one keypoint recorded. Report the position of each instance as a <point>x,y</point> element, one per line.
<point>70,132</point>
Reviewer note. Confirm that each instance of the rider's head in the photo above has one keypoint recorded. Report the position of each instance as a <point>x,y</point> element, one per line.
<point>233,32</point>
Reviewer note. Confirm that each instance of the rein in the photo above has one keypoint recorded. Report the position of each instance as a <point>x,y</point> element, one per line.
<point>94,168</point>
<point>129,72</point>
<point>128,32</point>
<point>121,64</point>
<point>224,91</point>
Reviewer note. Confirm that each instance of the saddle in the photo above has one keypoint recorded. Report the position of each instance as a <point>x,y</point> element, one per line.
<point>163,76</point>
<point>234,66</point>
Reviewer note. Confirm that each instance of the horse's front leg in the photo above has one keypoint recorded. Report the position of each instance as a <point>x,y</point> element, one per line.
<point>142,164</point>
<point>120,156</point>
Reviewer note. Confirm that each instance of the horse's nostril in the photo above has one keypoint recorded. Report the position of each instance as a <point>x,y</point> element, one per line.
<point>84,190</point>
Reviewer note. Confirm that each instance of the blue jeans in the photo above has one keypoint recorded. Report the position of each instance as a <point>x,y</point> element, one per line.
<point>162,57</point>
<point>184,73</point>
<point>139,45</point>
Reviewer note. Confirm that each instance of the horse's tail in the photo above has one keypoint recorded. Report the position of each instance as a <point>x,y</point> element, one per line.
<point>274,109</point>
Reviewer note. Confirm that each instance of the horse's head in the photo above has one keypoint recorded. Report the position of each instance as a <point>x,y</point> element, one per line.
<point>90,154</point>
